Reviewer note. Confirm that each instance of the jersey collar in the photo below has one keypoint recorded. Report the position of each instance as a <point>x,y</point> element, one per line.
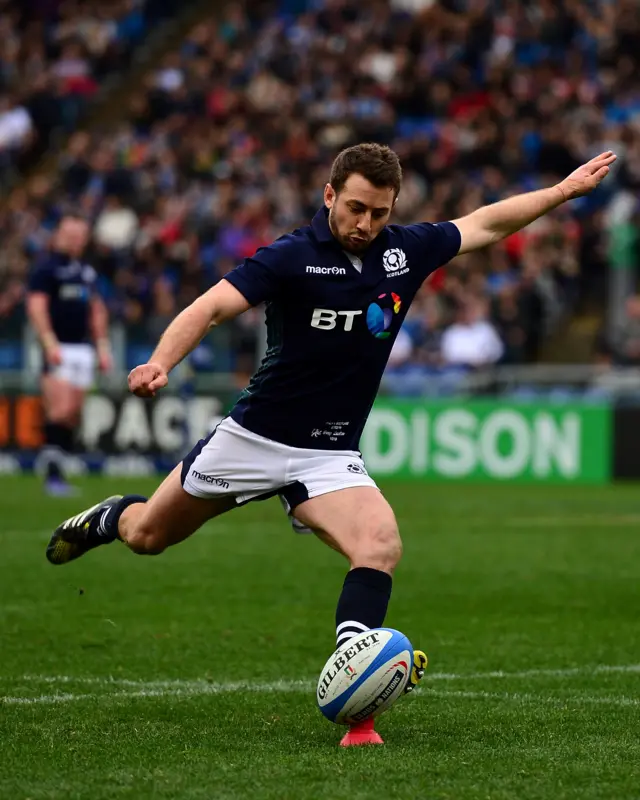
<point>320,226</point>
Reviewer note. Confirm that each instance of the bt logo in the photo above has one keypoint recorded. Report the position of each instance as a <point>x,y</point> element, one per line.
<point>73,291</point>
<point>379,317</point>
<point>327,320</point>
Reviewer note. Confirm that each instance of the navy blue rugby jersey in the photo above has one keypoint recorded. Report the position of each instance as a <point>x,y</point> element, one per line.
<point>330,327</point>
<point>69,285</point>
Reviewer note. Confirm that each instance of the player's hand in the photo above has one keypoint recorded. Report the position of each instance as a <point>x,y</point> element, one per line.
<point>105,358</point>
<point>105,361</point>
<point>53,354</point>
<point>585,179</point>
<point>145,380</point>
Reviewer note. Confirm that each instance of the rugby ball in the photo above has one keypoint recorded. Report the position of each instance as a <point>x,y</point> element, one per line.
<point>365,676</point>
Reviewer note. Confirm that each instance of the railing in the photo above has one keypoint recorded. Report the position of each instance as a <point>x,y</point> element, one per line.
<point>553,381</point>
<point>534,381</point>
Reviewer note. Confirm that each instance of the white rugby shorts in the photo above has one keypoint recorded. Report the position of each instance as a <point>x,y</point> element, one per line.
<point>77,367</point>
<point>235,462</point>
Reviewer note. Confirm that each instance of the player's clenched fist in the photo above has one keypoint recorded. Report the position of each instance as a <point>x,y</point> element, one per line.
<point>145,380</point>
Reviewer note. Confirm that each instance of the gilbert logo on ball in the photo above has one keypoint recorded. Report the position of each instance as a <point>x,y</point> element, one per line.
<point>365,676</point>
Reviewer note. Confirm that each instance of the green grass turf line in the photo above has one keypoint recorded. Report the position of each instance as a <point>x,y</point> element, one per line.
<point>494,578</point>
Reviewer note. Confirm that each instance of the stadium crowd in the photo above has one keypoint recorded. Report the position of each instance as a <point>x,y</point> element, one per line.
<point>55,55</point>
<point>229,141</point>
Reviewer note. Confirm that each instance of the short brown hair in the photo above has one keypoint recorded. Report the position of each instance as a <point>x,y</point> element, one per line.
<point>375,162</point>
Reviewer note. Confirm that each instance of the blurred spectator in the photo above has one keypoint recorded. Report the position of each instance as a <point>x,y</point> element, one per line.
<point>116,226</point>
<point>471,341</point>
<point>54,55</point>
<point>16,125</point>
<point>230,141</point>
<point>623,350</point>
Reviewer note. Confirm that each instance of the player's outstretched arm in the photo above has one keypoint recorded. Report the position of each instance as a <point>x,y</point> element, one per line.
<point>38,313</point>
<point>100,332</point>
<point>222,302</point>
<point>491,223</point>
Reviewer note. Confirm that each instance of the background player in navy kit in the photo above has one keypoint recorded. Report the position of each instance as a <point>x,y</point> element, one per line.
<point>336,293</point>
<point>67,316</point>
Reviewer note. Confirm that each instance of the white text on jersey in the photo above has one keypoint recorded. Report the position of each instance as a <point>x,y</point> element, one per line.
<point>326,319</point>
<point>326,270</point>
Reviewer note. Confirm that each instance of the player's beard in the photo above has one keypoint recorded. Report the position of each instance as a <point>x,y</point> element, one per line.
<point>345,242</point>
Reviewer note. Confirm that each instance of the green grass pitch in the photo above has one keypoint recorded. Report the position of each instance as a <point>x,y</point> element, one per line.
<point>192,675</point>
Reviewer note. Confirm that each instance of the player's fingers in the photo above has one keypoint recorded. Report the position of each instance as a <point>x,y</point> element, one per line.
<point>603,160</point>
<point>139,378</point>
<point>158,383</point>
<point>601,173</point>
<point>601,156</point>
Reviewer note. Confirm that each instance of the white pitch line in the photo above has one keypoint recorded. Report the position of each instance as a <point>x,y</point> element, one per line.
<point>307,686</point>
<point>177,683</point>
<point>191,690</point>
<point>599,669</point>
<point>211,687</point>
<point>194,688</point>
<point>44,699</point>
<point>534,698</point>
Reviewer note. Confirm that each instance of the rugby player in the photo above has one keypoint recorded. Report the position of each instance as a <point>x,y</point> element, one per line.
<point>67,316</point>
<point>336,293</point>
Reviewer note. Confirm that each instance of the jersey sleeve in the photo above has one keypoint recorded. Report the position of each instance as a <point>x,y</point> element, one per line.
<point>261,277</point>
<point>435,243</point>
<point>41,279</point>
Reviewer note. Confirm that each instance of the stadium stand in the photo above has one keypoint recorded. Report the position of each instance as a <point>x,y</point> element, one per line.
<point>56,56</point>
<point>228,141</point>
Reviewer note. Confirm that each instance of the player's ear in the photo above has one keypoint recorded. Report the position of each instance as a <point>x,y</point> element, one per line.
<point>329,195</point>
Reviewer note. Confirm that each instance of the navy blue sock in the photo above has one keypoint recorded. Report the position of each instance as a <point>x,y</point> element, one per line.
<point>54,470</point>
<point>58,441</point>
<point>363,602</point>
<point>104,527</point>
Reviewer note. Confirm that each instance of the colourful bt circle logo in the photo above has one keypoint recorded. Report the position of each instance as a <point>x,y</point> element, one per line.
<point>380,314</point>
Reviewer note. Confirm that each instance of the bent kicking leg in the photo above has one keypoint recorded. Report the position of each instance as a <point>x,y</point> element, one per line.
<point>147,526</point>
<point>170,516</point>
<point>223,469</point>
<point>359,523</point>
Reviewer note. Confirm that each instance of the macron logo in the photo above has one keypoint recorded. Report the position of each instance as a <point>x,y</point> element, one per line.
<point>210,479</point>
<point>326,271</point>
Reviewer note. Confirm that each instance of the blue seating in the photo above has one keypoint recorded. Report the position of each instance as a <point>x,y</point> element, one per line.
<point>11,355</point>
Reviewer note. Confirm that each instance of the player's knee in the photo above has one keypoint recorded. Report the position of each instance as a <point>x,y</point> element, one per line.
<point>145,541</point>
<point>60,414</point>
<point>64,412</point>
<point>380,549</point>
